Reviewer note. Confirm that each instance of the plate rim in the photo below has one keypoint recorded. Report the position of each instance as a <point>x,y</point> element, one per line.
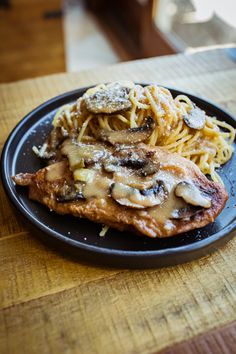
<point>179,250</point>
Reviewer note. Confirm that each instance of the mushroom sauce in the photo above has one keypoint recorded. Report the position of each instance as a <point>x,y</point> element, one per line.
<point>132,177</point>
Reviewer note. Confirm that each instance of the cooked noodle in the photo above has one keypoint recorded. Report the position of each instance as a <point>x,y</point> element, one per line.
<point>208,148</point>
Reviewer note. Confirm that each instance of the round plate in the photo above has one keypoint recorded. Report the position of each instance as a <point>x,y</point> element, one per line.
<point>81,236</point>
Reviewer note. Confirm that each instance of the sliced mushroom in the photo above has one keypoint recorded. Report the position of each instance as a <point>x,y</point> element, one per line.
<point>185,213</point>
<point>149,169</point>
<point>72,197</point>
<point>196,118</point>
<point>115,164</point>
<point>139,199</point>
<point>70,192</point>
<point>79,154</point>
<point>128,136</point>
<point>192,195</point>
<point>107,99</point>
<point>134,164</point>
<point>135,158</point>
<point>142,167</point>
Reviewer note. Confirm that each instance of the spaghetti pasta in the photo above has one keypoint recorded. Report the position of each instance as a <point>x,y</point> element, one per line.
<point>209,147</point>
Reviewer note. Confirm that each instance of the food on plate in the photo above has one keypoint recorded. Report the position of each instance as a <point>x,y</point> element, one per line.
<point>104,163</point>
<point>180,126</point>
<point>129,187</point>
<point>111,98</point>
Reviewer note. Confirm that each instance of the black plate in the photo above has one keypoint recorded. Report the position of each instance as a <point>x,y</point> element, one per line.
<point>80,236</point>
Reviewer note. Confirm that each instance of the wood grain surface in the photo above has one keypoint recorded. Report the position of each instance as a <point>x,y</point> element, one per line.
<point>31,39</point>
<point>216,341</point>
<point>51,303</point>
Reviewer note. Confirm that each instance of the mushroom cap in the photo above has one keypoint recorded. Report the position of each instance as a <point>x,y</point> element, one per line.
<point>139,199</point>
<point>108,99</point>
<point>192,195</point>
<point>128,136</point>
<point>195,119</point>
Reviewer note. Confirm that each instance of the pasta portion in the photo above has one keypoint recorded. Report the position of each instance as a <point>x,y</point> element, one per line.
<point>208,145</point>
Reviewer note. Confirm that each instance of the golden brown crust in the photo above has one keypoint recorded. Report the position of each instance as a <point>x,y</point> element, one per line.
<point>108,212</point>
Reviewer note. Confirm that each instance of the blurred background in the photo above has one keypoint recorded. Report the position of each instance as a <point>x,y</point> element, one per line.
<point>41,37</point>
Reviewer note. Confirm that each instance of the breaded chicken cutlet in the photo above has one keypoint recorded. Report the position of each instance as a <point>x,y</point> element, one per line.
<point>129,187</point>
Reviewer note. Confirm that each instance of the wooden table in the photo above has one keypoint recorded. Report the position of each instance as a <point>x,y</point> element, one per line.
<point>53,304</point>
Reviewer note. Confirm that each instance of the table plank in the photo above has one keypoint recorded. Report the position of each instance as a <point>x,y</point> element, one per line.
<point>29,280</point>
<point>129,311</point>
<point>34,44</point>
<point>217,341</point>
<point>51,303</point>
<point>10,224</point>
<point>162,70</point>
<point>31,270</point>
